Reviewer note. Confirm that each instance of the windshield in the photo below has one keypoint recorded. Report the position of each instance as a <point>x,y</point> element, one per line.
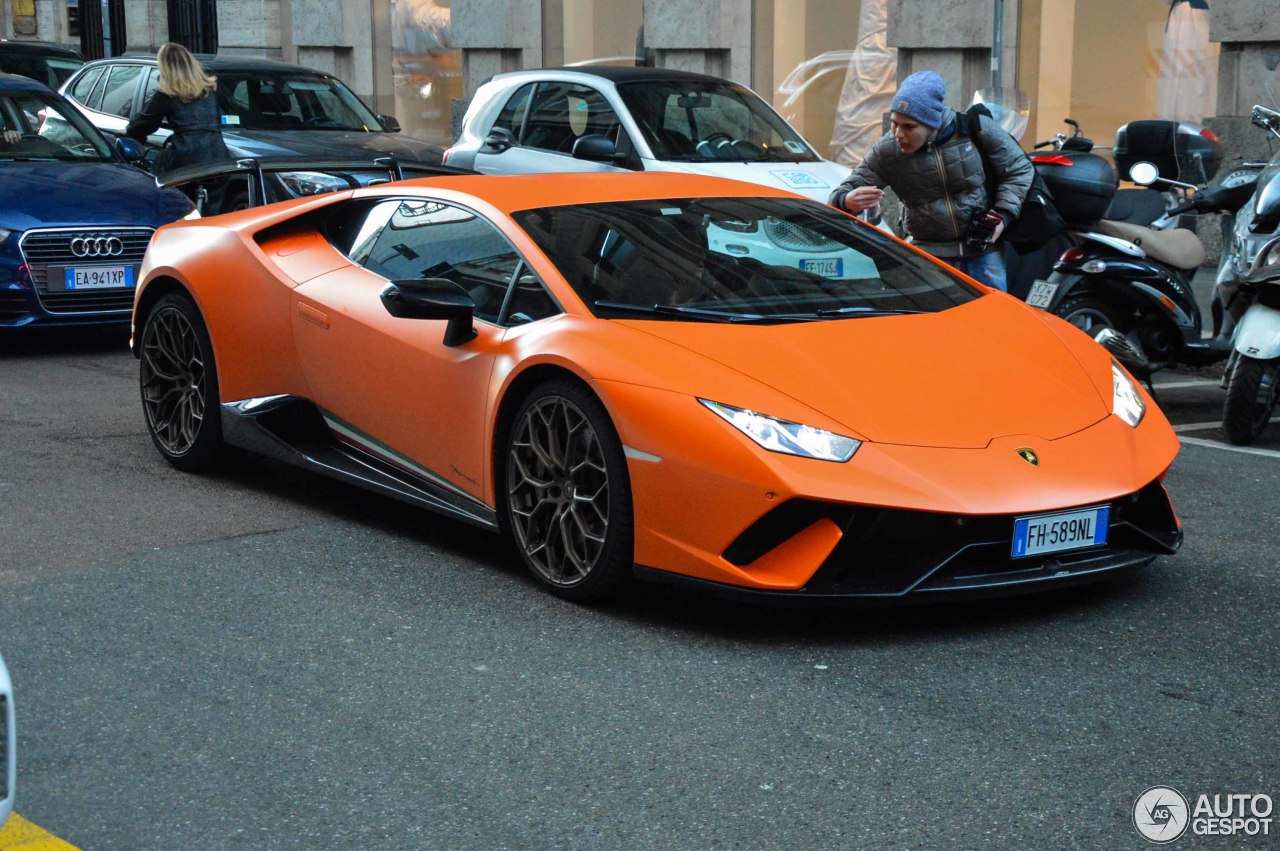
<point>53,71</point>
<point>267,101</point>
<point>735,260</point>
<point>39,126</point>
<point>711,121</point>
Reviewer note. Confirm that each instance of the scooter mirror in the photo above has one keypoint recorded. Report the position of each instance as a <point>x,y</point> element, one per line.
<point>1144,173</point>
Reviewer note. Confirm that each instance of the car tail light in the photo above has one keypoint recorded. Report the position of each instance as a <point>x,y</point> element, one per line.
<point>1073,254</point>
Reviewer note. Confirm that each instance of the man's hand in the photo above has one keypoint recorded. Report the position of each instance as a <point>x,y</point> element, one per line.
<point>861,198</point>
<point>12,137</point>
<point>999,230</point>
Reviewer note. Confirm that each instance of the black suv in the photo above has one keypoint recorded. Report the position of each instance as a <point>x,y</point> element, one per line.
<point>46,63</point>
<point>269,110</point>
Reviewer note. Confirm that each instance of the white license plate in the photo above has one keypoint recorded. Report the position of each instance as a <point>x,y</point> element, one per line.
<point>1041,294</point>
<point>827,267</point>
<point>1065,530</point>
<point>98,277</point>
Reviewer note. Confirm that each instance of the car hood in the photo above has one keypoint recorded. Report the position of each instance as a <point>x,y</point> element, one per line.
<point>35,194</point>
<point>327,145</point>
<point>960,378</point>
<point>812,180</point>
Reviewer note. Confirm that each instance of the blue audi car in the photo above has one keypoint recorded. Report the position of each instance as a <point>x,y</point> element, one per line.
<point>75,215</point>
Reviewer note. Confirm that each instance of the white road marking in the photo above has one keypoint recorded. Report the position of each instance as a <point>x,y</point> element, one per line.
<point>1245,450</point>
<point>1191,382</point>
<point>1205,426</point>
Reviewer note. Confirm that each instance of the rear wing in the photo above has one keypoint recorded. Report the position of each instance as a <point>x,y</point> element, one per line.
<point>193,180</point>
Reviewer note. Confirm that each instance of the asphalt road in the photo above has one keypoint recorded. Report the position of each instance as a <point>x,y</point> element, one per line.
<point>264,659</point>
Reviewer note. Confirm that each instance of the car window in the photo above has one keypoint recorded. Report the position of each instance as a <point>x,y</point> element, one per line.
<point>512,116</point>
<point>291,101</point>
<point>83,86</point>
<point>151,86</point>
<point>406,240</point>
<point>122,85</point>
<point>706,121</point>
<point>769,259</point>
<point>562,113</point>
<point>48,129</point>
<point>60,70</point>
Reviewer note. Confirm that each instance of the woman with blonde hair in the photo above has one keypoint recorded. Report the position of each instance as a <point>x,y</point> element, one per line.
<point>185,99</point>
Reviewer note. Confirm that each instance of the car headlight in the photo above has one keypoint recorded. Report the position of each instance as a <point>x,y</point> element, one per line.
<point>4,234</point>
<point>312,182</point>
<point>1125,401</point>
<point>786,437</point>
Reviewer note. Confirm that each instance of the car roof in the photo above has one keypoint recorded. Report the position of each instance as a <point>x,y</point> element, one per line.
<point>216,64</point>
<point>617,74</point>
<point>18,83</point>
<point>39,47</point>
<point>510,193</point>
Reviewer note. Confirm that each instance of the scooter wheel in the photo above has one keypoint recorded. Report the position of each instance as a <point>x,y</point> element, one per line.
<point>1090,314</point>
<point>1251,397</point>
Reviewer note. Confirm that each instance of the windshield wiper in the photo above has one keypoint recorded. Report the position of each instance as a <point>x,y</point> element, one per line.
<point>859,310</point>
<point>686,312</point>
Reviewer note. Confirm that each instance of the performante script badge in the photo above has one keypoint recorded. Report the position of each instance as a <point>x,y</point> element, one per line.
<point>1029,456</point>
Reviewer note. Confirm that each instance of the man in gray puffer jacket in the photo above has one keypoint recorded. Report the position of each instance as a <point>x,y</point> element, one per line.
<point>938,175</point>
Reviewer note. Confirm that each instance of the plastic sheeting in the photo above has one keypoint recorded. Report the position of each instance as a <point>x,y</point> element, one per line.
<point>869,85</point>
<point>1188,64</point>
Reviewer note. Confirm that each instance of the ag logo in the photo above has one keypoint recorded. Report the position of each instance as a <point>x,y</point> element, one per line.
<point>1029,456</point>
<point>1160,814</point>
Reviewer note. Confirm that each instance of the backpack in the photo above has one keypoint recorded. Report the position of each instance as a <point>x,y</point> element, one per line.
<point>1039,221</point>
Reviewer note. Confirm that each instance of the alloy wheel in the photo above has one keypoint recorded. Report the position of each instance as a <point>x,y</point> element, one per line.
<point>173,381</point>
<point>558,490</point>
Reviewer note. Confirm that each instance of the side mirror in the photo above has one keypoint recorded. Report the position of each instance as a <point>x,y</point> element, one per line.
<point>498,140</point>
<point>389,123</point>
<point>433,298</point>
<point>128,148</point>
<point>596,147</point>
<point>1144,173</point>
<point>1123,349</point>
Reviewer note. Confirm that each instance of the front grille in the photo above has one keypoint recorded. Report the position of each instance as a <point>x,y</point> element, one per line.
<point>797,238</point>
<point>13,305</point>
<point>44,248</point>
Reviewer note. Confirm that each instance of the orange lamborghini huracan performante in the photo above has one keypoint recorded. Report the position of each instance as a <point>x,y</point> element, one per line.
<point>662,376</point>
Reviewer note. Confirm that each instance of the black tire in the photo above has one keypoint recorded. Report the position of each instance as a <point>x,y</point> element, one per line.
<point>179,384</point>
<point>1091,314</point>
<point>566,493</point>
<point>1251,398</point>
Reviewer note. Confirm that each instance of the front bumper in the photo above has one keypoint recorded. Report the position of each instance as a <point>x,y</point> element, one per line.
<point>893,555</point>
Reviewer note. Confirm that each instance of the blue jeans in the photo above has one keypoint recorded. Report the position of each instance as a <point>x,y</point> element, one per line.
<point>986,268</point>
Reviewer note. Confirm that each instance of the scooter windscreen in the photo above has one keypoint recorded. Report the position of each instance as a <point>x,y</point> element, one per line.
<point>1011,108</point>
<point>1266,209</point>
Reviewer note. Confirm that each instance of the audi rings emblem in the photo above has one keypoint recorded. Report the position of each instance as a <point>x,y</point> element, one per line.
<point>97,246</point>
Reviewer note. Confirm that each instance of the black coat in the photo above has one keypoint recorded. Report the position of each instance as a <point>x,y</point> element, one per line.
<point>197,133</point>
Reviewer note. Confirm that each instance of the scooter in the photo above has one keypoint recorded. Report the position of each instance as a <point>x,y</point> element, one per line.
<point>1135,281</point>
<point>1253,374</point>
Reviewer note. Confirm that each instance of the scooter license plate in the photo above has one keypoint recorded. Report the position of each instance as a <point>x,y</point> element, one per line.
<point>1042,293</point>
<point>1066,530</point>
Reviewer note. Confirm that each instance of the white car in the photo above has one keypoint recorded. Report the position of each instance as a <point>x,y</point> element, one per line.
<point>8,746</point>
<point>618,118</point>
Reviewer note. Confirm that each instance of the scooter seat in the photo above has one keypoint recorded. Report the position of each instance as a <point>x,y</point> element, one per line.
<point>1136,206</point>
<point>1179,248</point>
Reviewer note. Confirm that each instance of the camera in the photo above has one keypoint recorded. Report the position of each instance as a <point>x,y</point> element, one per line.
<point>982,229</point>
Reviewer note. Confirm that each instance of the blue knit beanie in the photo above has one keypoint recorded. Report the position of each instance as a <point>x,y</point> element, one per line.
<point>920,97</point>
